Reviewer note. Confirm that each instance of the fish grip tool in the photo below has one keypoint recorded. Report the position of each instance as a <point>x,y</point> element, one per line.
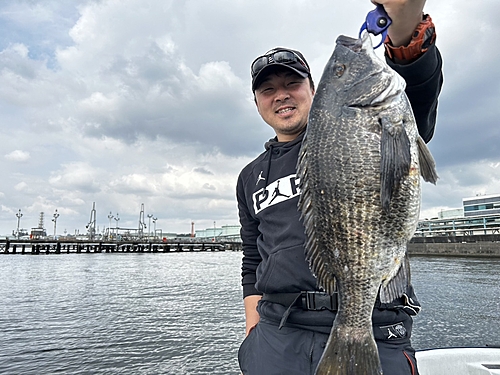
<point>377,22</point>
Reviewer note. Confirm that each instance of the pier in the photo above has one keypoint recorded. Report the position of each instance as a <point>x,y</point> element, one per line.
<point>47,246</point>
<point>477,245</point>
<point>470,236</point>
<point>461,246</point>
<point>481,246</point>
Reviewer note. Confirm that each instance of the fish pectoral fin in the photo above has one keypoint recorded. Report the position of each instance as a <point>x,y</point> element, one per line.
<point>397,286</point>
<point>426,161</point>
<point>395,159</point>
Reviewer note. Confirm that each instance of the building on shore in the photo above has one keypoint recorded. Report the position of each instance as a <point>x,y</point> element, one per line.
<point>226,232</point>
<point>479,215</point>
<point>482,205</point>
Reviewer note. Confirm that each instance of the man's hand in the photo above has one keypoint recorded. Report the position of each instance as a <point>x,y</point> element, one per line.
<point>405,16</point>
<point>251,314</point>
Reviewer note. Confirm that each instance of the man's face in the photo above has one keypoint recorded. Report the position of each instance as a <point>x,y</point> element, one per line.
<point>283,100</point>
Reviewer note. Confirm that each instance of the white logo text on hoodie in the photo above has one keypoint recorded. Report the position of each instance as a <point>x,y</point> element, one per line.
<point>276,192</point>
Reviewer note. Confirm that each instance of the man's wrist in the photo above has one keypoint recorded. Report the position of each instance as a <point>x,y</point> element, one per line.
<point>423,37</point>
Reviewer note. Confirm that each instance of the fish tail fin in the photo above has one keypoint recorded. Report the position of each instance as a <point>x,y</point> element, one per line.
<point>395,159</point>
<point>427,163</point>
<point>350,351</point>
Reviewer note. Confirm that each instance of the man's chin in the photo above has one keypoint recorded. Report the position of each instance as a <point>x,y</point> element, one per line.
<point>290,130</point>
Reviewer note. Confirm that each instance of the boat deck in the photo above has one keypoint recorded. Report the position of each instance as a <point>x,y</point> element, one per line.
<point>459,361</point>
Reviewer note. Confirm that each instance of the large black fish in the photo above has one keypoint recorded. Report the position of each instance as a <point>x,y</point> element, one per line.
<point>359,169</point>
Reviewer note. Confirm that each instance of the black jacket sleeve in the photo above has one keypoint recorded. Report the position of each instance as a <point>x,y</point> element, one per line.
<point>424,79</point>
<point>249,233</point>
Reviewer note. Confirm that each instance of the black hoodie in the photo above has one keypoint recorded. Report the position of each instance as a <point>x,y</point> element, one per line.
<point>267,193</point>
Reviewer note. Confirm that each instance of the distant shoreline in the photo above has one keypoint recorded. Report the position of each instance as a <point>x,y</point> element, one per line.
<point>474,249</point>
<point>460,246</point>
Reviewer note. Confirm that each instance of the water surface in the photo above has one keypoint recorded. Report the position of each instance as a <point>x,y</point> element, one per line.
<point>182,313</point>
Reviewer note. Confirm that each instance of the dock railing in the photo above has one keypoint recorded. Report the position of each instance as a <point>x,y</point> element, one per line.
<point>51,246</point>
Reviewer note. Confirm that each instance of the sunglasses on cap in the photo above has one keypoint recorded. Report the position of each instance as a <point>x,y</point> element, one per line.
<point>280,56</point>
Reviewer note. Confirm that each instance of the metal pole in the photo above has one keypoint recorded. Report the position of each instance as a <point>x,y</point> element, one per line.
<point>142,224</point>
<point>149,226</point>
<point>56,215</point>
<point>154,223</point>
<point>19,215</point>
<point>116,226</point>
<point>214,231</point>
<point>110,216</point>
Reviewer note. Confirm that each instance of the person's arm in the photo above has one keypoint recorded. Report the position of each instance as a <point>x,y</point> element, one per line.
<point>405,16</point>
<point>424,79</point>
<point>422,72</point>
<point>251,259</point>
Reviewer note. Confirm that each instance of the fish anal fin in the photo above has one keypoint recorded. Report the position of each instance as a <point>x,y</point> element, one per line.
<point>398,285</point>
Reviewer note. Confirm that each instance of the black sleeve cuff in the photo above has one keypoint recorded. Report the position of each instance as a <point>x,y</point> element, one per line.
<point>420,70</point>
<point>249,290</point>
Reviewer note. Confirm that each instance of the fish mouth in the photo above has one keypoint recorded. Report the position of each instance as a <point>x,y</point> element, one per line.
<point>353,44</point>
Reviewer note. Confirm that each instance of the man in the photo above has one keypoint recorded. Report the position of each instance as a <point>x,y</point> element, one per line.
<point>287,329</point>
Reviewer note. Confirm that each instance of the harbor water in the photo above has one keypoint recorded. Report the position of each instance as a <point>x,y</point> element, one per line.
<point>182,313</point>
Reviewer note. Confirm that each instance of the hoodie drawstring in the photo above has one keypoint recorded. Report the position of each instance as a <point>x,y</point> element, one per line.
<point>268,172</point>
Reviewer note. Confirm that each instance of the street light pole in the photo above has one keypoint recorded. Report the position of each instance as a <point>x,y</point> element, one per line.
<point>56,215</point>
<point>110,216</point>
<point>154,223</point>
<point>149,227</point>
<point>19,215</point>
<point>116,226</point>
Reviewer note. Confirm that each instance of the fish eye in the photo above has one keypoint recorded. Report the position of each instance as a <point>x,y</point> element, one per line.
<point>339,70</point>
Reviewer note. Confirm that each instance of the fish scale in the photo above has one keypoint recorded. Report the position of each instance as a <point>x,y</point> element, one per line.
<point>359,170</point>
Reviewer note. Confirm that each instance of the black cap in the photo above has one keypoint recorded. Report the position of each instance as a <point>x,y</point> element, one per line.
<point>291,59</point>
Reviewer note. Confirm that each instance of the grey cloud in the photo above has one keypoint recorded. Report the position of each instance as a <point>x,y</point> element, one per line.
<point>203,171</point>
<point>134,95</point>
<point>209,187</point>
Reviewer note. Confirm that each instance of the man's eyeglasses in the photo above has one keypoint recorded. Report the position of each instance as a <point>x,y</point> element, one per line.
<point>281,57</point>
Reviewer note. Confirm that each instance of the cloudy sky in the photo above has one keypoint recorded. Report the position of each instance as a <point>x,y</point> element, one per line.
<point>130,102</point>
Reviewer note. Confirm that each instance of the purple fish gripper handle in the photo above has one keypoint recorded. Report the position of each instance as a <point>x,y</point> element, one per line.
<point>377,22</point>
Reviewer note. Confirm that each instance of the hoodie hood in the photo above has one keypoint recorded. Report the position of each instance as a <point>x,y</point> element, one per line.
<point>281,148</point>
